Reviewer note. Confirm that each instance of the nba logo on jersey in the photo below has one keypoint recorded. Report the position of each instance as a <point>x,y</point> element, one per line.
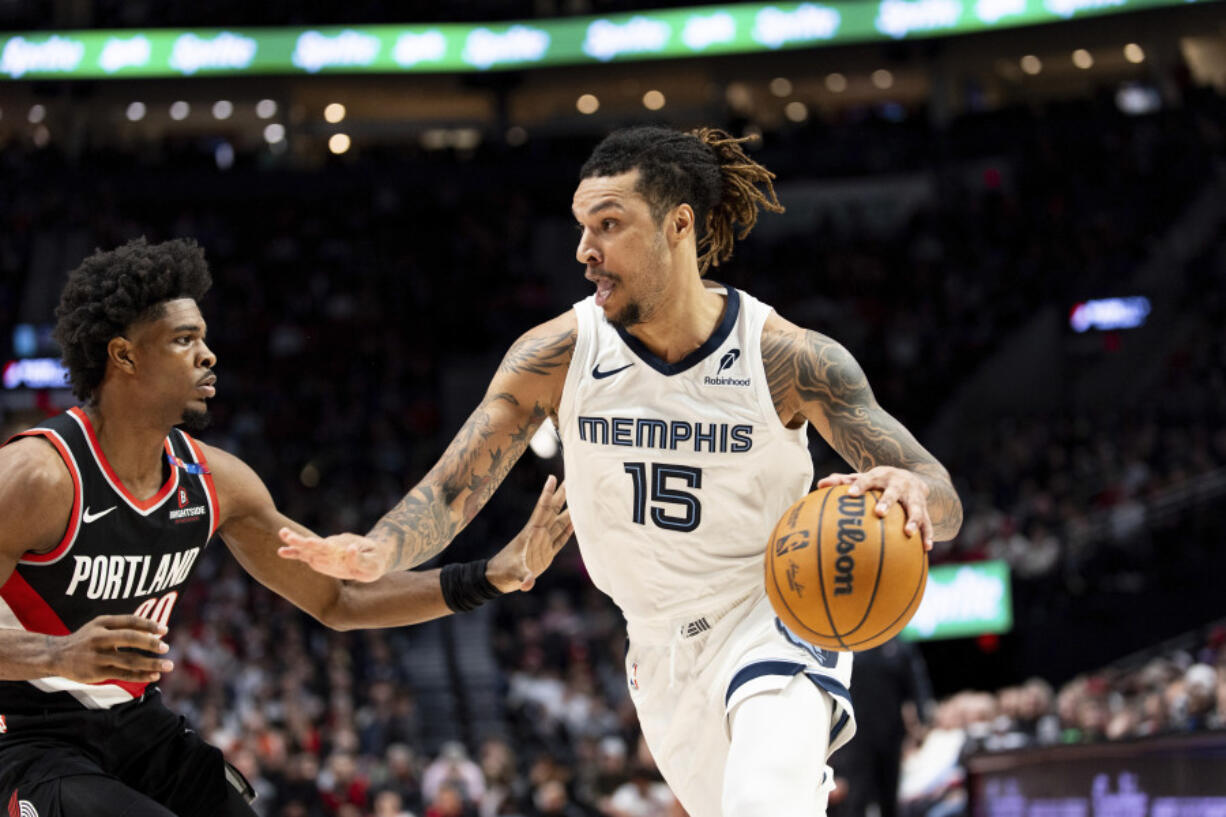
<point>4,727</point>
<point>182,497</point>
<point>634,675</point>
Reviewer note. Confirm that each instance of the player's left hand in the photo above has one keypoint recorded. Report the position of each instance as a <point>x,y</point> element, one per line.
<point>899,485</point>
<point>525,557</point>
<point>343,556</point>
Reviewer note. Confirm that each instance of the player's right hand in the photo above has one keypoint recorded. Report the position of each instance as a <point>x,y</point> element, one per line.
<point>103,650</point>
<point>525,557</point>
<point>343,556</point>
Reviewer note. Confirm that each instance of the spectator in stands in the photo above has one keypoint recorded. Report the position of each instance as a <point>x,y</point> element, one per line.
<point>550,799</point>
<point>388,717</point>
<point>1199,697</point>
<point>299,793</point>
<point>248,765</point>
<point>643,795</point>
<point>398,774</point>
<point>1217,720</point>
<point>1153,719</point>
<point>932,776</point>
<point>503,786</point>
<point>453,768</point>
<point>1123,723</point>
<point>342,783</point>
<point>610,769</point>
<point>1092,718</point>
<point>1036,718</point>
<point>449,801</point>
<point>389,804</point>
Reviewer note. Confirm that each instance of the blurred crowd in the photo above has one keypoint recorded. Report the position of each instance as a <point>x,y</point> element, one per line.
<point>327,724</point>
<point>1060,485</point>
<point>1170,690</point>
<point>359,308</point>
<point>1058,488</point>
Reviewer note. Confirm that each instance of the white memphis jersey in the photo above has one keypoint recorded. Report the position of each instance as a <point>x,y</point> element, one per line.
<point>676,473</point>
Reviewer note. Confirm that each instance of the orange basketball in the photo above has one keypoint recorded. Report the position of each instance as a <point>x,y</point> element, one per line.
<point>839,576</point>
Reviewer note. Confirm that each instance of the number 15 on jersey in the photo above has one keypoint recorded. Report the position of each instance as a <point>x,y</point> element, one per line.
<point>671,507</point>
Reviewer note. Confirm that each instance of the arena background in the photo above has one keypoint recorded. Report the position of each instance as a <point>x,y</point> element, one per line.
<point>1019,231</point>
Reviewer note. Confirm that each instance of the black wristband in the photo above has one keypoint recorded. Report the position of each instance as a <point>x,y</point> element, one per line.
<point>465,586</point>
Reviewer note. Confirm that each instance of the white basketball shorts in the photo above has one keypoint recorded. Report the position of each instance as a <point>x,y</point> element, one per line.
<point>686,677</point>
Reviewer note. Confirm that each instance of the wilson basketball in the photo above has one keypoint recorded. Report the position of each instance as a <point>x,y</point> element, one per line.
<point>839,576</point>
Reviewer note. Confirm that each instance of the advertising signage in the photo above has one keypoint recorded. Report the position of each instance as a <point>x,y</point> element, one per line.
<point>963,600</point>
<point>731,29</point>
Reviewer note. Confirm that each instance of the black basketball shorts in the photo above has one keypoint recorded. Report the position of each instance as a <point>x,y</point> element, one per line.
<point>138,759</point>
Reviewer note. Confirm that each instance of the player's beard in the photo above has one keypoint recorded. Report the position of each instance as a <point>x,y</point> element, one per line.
<point>195,421</point>
<point>629,315</point>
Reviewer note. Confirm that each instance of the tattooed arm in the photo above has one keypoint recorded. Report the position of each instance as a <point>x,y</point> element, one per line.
<point>524,391</point>
<point>813,378</point>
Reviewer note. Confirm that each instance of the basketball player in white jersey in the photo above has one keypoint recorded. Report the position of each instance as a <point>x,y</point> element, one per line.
<point>682,406</point>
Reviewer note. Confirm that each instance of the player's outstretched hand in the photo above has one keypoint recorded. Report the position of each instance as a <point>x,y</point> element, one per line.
<point>344,556</point>
<point>525,557</point>
<point>896,485</point>
<point>103,650</point>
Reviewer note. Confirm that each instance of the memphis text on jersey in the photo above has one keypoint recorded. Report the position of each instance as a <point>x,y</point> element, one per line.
<point>125,577</point>
<point>675,435</point>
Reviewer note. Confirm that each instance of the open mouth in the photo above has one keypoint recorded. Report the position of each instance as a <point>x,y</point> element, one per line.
<point>604,287</point>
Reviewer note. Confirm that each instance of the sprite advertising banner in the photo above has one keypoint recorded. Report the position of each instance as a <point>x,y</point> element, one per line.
<point>732,29</point>
<point>963,600</point>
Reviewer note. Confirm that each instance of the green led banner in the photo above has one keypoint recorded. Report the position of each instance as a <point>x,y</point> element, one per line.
<point>732,29</point>
<point>963,600</point>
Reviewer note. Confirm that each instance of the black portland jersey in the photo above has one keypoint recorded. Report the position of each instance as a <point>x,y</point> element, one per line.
<point>119,556</point>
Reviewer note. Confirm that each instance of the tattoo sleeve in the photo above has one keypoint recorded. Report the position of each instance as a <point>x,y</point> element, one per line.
<point>816,375</point>
<point>540,356</point>
<point>480,456</point>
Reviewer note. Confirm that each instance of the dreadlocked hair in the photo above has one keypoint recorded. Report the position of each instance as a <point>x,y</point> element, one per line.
<point>706,168</point>
<point>740,196</point>
<point>112,290</point>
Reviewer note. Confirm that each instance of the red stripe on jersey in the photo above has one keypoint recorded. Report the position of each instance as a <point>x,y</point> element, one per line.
<point>74,518</point>
<point>198,452</point>
<point>133,689</point>
<point>31,609</point>
<point>141,504</point>
<point>36,616</point>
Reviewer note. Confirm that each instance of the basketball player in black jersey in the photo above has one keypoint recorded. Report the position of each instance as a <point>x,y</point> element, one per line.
<point>104,512</point>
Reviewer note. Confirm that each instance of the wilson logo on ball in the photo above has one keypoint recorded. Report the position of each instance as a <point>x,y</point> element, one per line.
<point>851,533</point>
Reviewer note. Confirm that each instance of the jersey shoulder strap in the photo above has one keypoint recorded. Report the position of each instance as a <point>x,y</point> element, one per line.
<point>66,438</point>
<point>189,457</point>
